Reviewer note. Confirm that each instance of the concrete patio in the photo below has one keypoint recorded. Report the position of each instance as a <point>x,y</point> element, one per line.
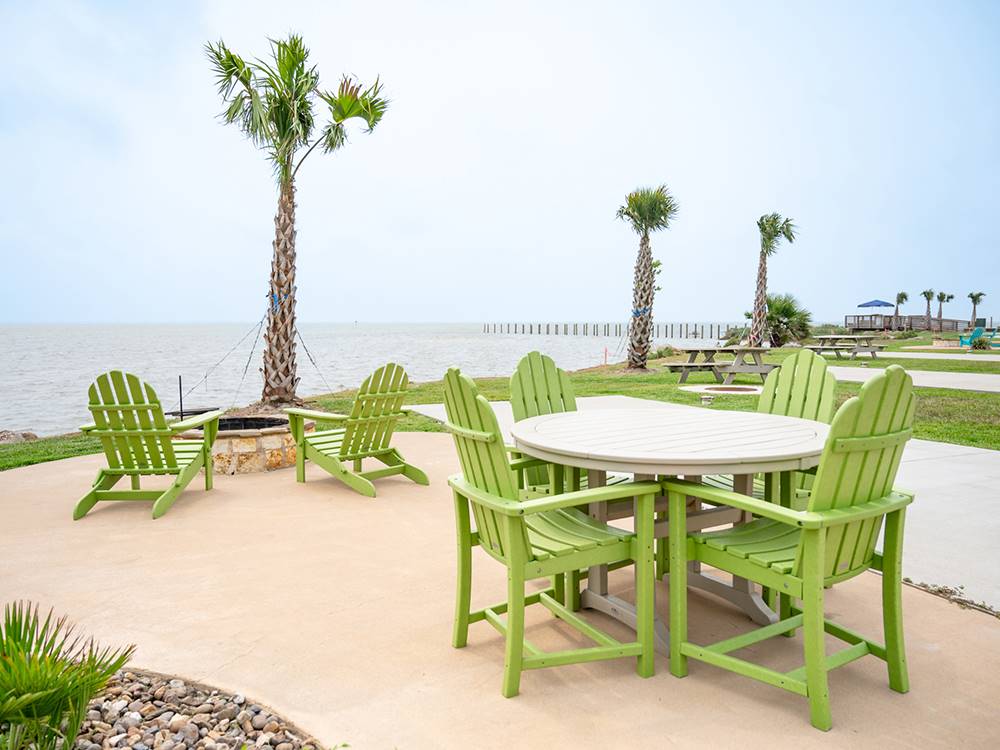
<point>335,610</point>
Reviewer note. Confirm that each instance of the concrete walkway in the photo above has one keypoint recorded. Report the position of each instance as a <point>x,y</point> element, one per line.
<point>336,610</point>
<point>945,354</point>
<point>962,381</point>
<point>951,528</point>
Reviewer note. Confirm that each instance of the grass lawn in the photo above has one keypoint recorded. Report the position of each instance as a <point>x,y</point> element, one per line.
<point>949,416</point>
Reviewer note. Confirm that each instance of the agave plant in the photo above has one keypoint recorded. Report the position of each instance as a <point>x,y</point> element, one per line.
<point>48,675</point>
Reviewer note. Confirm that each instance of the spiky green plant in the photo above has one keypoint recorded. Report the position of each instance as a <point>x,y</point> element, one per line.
<point>272,103</point>
<point>48,675</point>
<point>647,210</point>
<point>772,228</point>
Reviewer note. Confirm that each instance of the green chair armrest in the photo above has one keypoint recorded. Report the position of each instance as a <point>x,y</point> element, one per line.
<point>85,428</point>
<point>526,463</point>
<point>552,502</point>
<point>802,519</point>
<point>195,421</point>
<point>325,416</point>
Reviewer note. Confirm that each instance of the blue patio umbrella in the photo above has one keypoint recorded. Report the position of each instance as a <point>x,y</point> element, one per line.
<point>876,303</point>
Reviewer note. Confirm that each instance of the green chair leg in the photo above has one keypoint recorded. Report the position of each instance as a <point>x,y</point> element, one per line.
<point>644,594</point>
<point>88,501</point>
<point>135,482</point>
<point>463,593</point>
<point>209,468</point>
<point>892,604</point>
<point>559,587</point>
<point>300,462</point>
<point>678,582</point>
<point>414,474</point>
<point>514,653</point>
<point>813,629</point>
<point>572,600</point>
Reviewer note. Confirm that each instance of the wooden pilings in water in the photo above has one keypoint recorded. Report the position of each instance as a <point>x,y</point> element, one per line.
<point>617,330</point>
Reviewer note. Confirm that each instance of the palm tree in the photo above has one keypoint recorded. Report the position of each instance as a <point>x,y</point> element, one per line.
<point>647,210</point>
<point>772,228</point>
<point>272,103</point>
<point>901,298</point>
<point>928,294</point>
<point>942,297</point>
<point>787,319</point>
<point>976,298</point>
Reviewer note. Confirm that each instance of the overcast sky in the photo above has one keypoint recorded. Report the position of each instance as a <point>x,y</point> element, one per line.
<point>489,190</point>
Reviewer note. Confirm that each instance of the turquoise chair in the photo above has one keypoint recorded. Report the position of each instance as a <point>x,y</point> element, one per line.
<point>967,340</point>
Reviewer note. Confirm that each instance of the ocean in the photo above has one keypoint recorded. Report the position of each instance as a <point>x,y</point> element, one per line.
<point>47,369</point>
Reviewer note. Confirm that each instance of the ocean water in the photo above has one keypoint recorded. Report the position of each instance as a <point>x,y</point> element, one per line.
<point>46,370</point>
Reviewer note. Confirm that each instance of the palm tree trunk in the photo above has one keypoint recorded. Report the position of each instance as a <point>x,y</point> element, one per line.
<point>280,374</point>
<point>929,326</point>
<point>758,322</point>
<point>641,326</point>
<point>972,323</point>
<point>940,313</point>
<point>895,318</point>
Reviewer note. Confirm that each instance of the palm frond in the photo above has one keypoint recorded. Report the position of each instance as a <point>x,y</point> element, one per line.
<point>649,209</point>
<point>773,227</point>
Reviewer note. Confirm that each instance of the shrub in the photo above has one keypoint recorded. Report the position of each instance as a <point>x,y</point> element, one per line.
<point>664,351</point>
<point>907,335</point>
<point>980,343</point>
<point>48,675</point>
<point>787,320</point>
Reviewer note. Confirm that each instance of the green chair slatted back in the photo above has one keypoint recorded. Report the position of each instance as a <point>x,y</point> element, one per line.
<point>130,424</point>
<point>539,387</point>
<point>801,387</point>
<point>859,464</point>
<point>376,410</point>
<point>483,458</point>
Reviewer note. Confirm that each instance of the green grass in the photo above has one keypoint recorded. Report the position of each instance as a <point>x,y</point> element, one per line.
<point>946,415</point>
<point>47,449</point>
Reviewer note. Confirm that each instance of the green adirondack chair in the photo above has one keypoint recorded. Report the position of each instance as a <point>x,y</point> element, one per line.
<point>535,538</point>
<point>366,433</point>
<point>801,387</point>
<point>798,553</point>
<point>138,441</point>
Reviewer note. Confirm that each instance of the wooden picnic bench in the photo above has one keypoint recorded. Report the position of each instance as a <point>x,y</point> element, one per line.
<point>844,344</point>
<point>724,371</point>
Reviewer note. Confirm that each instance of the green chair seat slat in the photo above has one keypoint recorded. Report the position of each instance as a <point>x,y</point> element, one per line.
<point>766,543</point>
<point>569,531</point>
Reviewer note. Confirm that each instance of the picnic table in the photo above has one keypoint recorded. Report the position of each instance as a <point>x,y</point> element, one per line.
<point>726,370</point>
<point>653,439</point>
<point>841,344</point>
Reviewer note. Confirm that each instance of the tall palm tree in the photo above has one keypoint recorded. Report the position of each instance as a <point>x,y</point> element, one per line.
<point>772,228</point>
<point>272,103</point>
<point>647,210</point>
<point>928,294</point>
<point>977,298</point>
<point>942,297</point>
<point>901,298</point>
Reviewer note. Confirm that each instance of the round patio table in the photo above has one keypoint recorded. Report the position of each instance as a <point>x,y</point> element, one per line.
<point>673,440</point>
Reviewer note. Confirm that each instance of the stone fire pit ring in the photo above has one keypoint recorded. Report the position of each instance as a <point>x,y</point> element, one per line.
<point>252,443</point>
<point>724,390</point>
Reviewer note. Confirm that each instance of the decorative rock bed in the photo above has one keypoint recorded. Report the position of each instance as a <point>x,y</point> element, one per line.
<point>252,443</point>
<point>149,711</point>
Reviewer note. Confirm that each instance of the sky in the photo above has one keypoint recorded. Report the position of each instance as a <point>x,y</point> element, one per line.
<point>515,131</point>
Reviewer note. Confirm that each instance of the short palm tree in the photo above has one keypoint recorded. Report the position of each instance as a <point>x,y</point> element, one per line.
<point>977,298</point>
<point>647,210</point>
<point>272,103</point>
<point>772,228</point>
<point>942,297</point>
<point>928,294</point>
<point>901,298</point>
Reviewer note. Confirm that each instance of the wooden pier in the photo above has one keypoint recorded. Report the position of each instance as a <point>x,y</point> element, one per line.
<point>715,331</point>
